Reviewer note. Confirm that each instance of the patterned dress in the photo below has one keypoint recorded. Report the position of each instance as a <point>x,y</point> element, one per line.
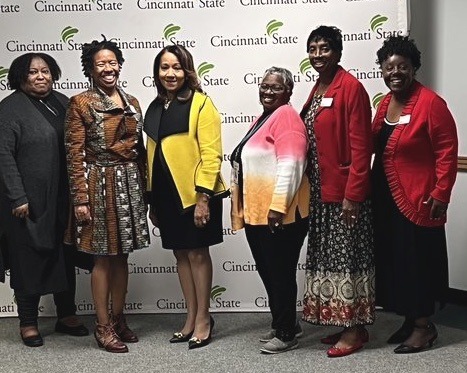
<point>339,285</point>
<point>106,167</point>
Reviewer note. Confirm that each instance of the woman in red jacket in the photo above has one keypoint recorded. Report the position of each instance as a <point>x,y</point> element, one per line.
<point>413,175</point>
<point>339,287</point>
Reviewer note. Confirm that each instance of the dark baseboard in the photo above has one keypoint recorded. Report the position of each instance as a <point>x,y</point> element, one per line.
<point>457,296</point>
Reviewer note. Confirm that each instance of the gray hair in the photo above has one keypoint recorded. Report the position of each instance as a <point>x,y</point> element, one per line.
<point>284,73</point>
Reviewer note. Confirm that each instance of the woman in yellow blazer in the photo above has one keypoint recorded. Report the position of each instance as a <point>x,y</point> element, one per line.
<point>185,184</point>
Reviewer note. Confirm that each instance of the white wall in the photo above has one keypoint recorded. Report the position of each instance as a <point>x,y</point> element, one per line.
<point>438,27</point>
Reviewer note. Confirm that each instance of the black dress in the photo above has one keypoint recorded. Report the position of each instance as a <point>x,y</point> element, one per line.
<point>411,260</point>
<point>177,227</point>
<point>36,174</point>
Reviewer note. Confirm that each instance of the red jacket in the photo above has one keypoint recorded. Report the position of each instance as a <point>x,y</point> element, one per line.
<point>420,158</point>
<point>343,138</point>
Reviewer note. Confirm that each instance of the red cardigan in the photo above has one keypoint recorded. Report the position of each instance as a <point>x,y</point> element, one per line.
<point>343,138</point>
<point>420,158</point>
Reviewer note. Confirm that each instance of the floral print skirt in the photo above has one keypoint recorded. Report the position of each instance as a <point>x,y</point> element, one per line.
<point>340,274</point>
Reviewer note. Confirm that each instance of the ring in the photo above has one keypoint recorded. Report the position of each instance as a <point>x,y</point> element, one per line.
<point>204,221</point>
<point>353,217</point>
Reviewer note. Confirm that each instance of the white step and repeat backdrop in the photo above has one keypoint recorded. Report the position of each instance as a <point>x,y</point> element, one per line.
<point>233,42</point>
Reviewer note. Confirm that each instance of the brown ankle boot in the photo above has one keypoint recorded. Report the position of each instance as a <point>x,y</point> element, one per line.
<point>123,331</point>
<point>107,338</point>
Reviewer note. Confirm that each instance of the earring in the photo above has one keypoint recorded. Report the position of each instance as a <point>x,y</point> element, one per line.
<point>92,83</point>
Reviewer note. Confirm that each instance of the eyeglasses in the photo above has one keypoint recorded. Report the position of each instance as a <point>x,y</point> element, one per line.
<point>273,88</point>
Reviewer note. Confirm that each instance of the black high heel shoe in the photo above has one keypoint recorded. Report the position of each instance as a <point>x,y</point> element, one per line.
<point>402,333</point>
<point>180,337</point>
<point>405,349</point>
<point>197,343</point>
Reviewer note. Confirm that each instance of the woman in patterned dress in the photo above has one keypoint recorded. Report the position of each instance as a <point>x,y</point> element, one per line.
<point>339,288</point>
<point>106,168</point>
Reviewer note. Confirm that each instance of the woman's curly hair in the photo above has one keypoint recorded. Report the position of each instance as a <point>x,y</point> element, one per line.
<point>90,49</point>
<point>402,46</point>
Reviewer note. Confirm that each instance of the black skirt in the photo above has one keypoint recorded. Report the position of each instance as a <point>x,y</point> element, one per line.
<point>411,260</point>
<point>177,228</point>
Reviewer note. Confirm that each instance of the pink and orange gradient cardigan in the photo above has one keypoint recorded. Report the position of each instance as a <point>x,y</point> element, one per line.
<point>273,162</point>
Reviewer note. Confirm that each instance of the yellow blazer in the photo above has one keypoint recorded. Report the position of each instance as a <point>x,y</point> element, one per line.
<point>193,157</point>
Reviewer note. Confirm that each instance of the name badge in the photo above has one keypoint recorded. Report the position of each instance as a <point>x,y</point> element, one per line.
<point>235,172</point>
<point>405,119</point>
<point>326,101</point>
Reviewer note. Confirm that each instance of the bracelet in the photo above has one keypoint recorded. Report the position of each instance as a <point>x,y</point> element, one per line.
<point>206,195</point>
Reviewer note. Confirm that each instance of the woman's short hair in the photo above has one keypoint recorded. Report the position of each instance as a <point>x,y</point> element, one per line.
<point>19,69</point>
<point>186,61</point>
<point>284,73</point>
<point>90,49</point>
<point>329,33</point>
<point>402,46</point>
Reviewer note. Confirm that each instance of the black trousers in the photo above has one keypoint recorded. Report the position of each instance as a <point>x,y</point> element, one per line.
<point>64,301</point>
<point>276,256</point>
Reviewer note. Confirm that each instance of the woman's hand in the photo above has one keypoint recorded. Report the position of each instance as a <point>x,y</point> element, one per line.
<point>438,208</point>
<point>201,210</point>
<point>153,217</point>
<point>275,220</point>
<point>83,214</point>
<point>350,211</point>
<point>21,211</point>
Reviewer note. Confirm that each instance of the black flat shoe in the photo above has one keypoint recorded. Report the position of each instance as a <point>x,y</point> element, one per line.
<point>405,349</point>
<point>76,331</point>
<point>402,333</point>
<point>33,340</point>
<point>179,337</point>
<point>197,343</point>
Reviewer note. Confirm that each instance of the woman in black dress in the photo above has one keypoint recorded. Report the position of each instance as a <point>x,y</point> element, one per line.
<point>413,174</point>
<point>34,198</point>
<point>184,161</point>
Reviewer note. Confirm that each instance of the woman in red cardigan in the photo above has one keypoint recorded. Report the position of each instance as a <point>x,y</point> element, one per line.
<point>413,175</point>
<point>339,288</point>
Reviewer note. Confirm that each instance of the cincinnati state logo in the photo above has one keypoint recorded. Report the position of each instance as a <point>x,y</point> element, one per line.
<point>306,70</point>
<point>68,33</point>
<point>272,29</point>
<point>3,72</point>
<point>305,65</point>
<point>376,100</point>
<point>377,23</point>
<point>171,30</point>
<point>217,291</point>
<point>169,33</point>
<point>204,70</point>
<point>273,26</point>
<point>218,302</point>
<point>376,30</point>
<point>4,86</point>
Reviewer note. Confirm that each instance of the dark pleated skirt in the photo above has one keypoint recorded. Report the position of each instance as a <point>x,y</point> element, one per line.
<point>411,260</point>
